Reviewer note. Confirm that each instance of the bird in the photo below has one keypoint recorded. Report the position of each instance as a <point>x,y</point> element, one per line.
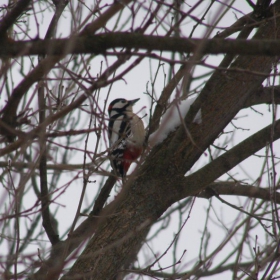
<point>126,135</point>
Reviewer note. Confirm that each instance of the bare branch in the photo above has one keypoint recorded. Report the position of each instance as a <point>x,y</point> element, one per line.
<point>98,44</point>
<point>236,188</point>
<point>264,95</point>
<point>12,16</point>
<point>228,160</point>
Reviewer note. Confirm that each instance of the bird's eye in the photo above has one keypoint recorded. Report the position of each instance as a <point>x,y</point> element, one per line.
<point>123,101</point>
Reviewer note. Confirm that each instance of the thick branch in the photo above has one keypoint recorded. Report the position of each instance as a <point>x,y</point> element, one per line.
<point>99,44</point>
<point>12,16</point>
<point>57,166</point>
<point>264,95</point>
<point>103,195</point>
<point>195,182</point>
<point>235,188</point>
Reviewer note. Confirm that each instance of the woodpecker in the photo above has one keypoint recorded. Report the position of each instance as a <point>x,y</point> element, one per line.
<point>126,135</point>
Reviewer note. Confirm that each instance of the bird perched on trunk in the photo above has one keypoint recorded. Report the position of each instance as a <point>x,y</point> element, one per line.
<point>126,135</point>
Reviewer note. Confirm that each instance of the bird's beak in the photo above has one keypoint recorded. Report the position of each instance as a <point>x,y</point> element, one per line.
<point>132,102</point>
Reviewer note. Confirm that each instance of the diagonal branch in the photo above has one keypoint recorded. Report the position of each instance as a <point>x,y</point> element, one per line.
<point>197,181</point>
<point>12,16</point>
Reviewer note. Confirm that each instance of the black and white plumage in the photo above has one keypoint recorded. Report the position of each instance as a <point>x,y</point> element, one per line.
<point>126,135</point>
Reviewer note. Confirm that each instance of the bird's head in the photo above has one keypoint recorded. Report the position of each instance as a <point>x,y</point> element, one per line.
<point>121,105</point>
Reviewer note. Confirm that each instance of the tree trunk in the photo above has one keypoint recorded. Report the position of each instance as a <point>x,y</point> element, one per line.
<point>153,189</point>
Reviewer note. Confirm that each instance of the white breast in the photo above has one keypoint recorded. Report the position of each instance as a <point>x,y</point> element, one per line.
<point>137,136</point>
